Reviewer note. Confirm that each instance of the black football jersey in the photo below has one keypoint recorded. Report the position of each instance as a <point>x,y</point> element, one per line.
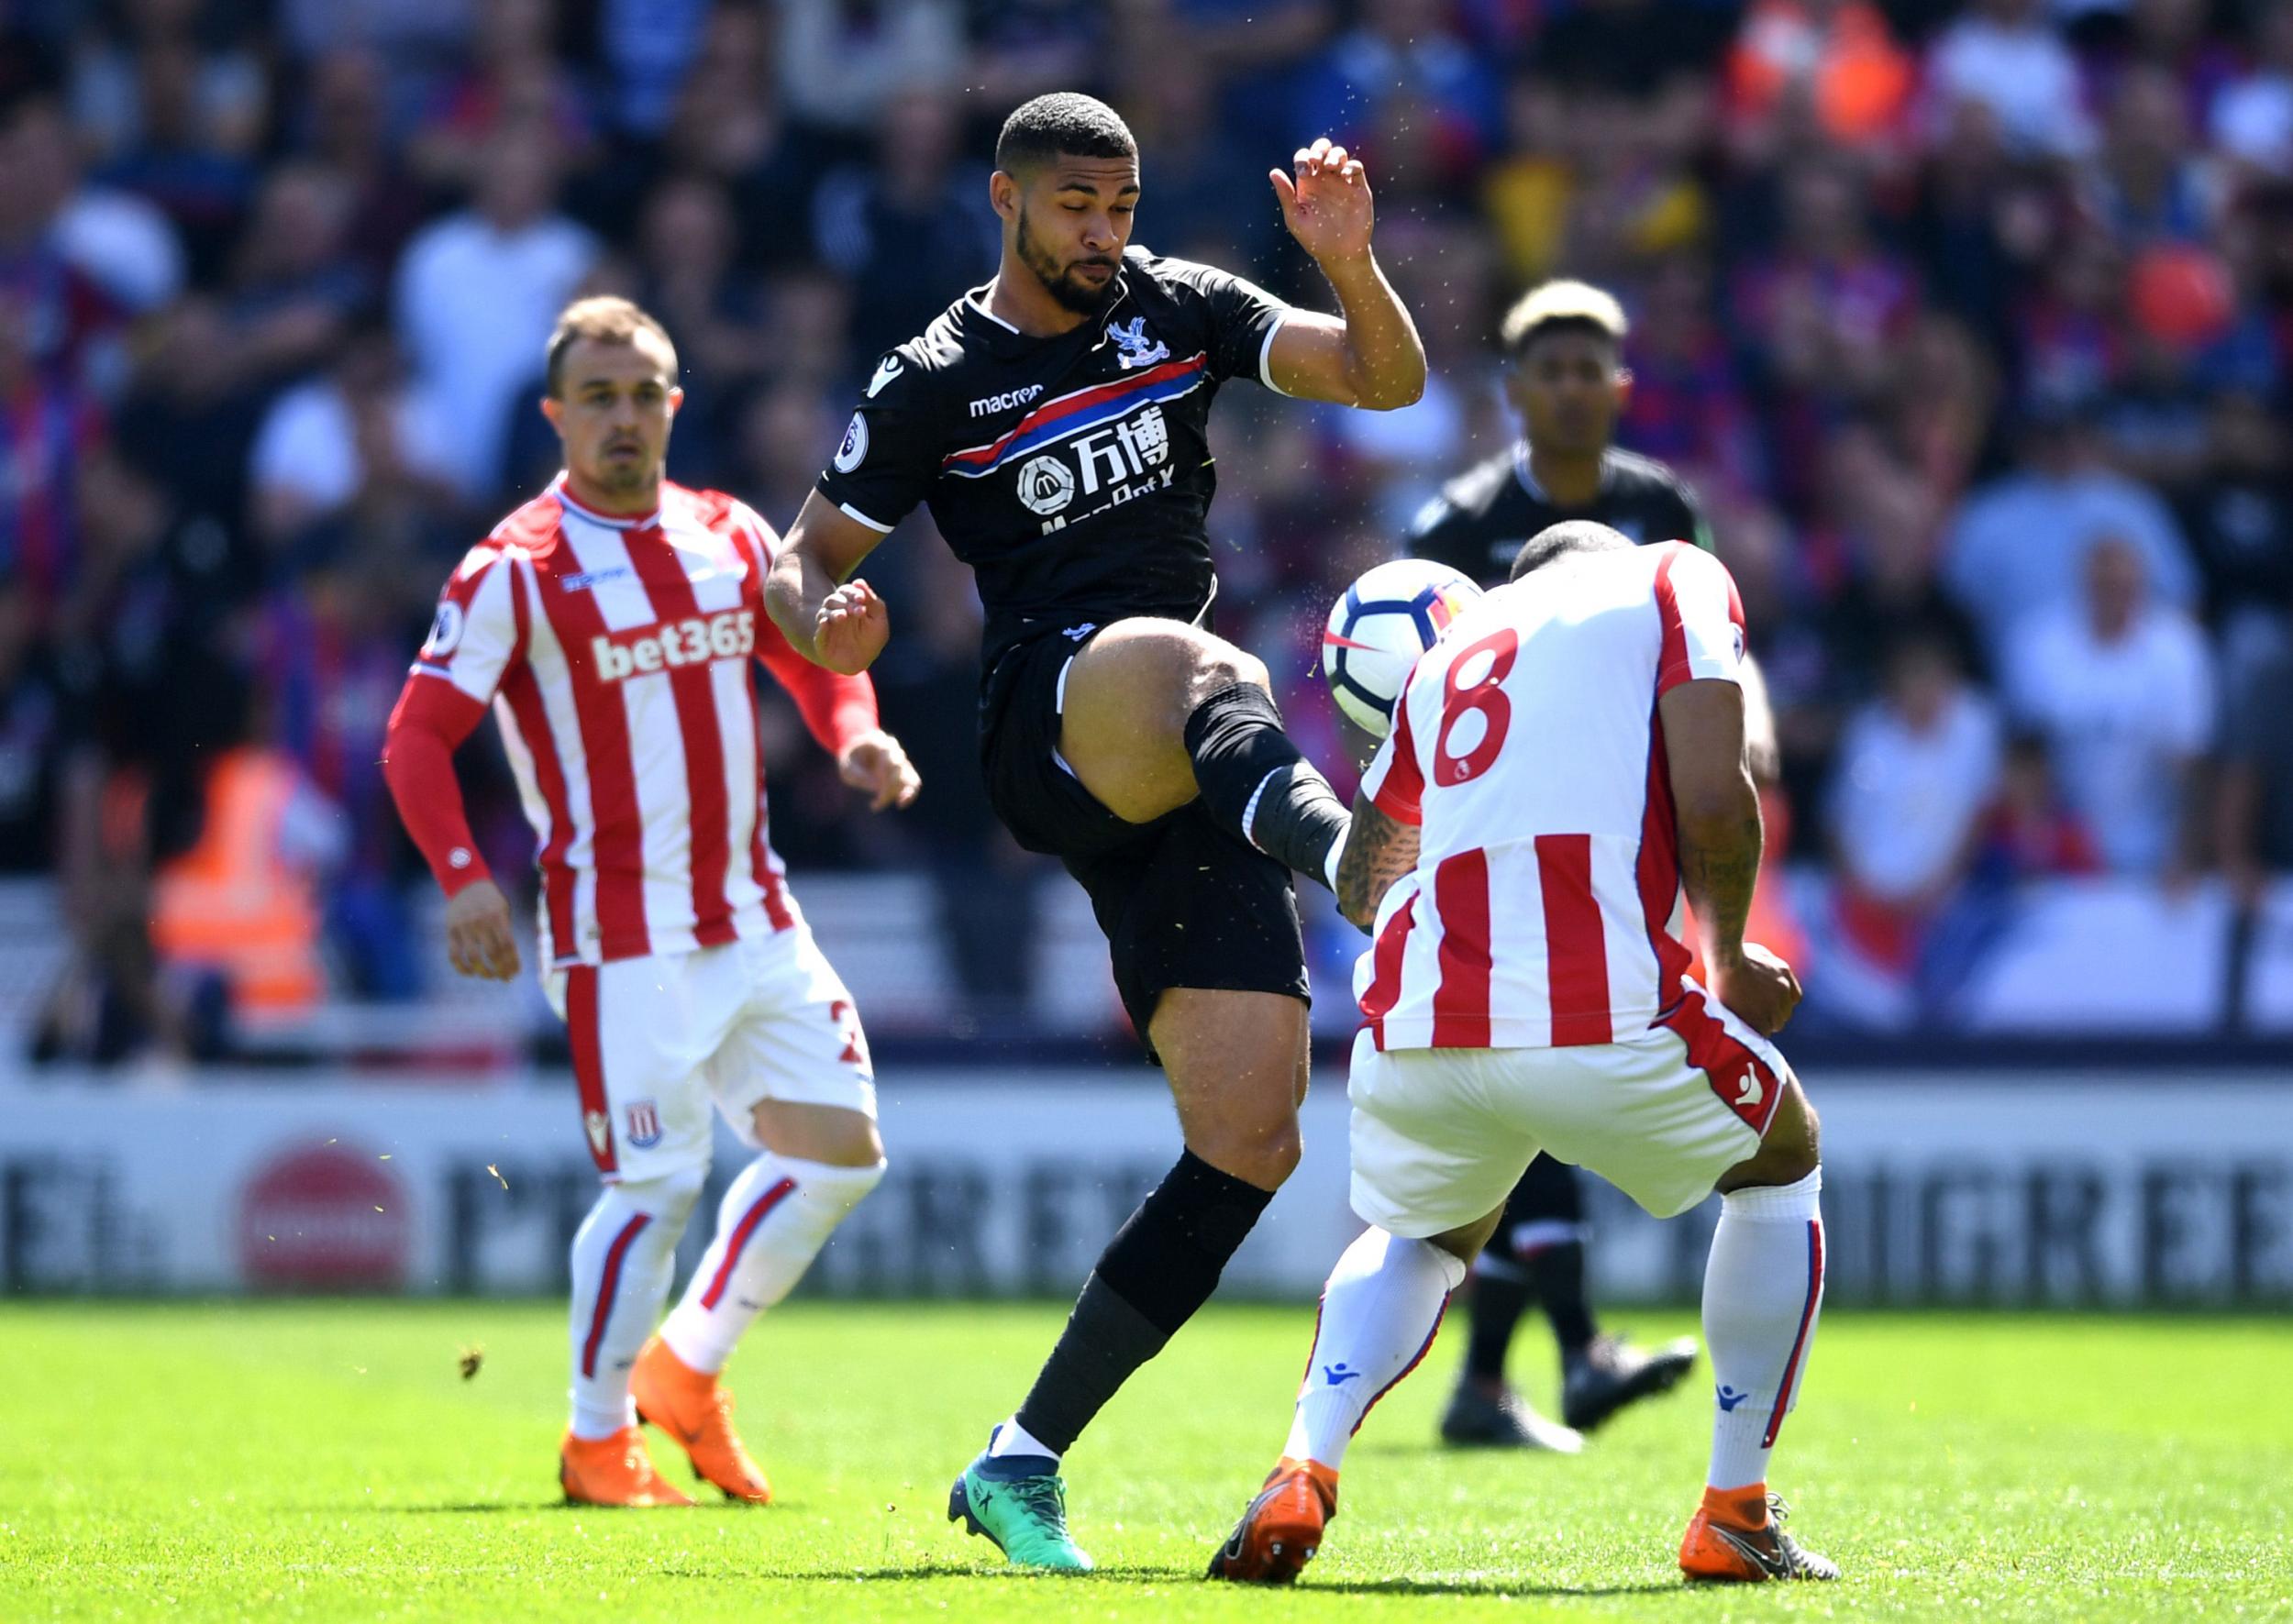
<point>1482,516</point>
<point>1072,473</point>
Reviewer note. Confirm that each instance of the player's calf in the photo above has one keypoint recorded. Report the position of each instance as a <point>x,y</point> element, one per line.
<point>1763,1296</point>
<point>773,1222</point>
<point>1381,1309</point>
<point>624,1256</point>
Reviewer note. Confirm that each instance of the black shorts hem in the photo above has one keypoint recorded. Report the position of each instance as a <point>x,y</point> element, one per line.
<point>1183,901</point>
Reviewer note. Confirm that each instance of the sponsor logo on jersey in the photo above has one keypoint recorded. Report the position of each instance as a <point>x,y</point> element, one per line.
<point>595,578</point>
<point>1047,485</point>
<point>1065,418</point>
<point>886,370</point>
<point>725,636</point>
<point>1105,460</point>
<point>854,450</point>
<point>644,1125</point>
<point>987,405</point>
<point>1137,349</point>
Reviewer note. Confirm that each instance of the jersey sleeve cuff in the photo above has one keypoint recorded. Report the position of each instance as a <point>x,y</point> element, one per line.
<point>849,512</point>
<point>1390,801</point>
<point>453,881</point>
<point>1266,355</point>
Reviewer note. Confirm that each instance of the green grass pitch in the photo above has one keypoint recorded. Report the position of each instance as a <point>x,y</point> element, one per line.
<point>283,1461</point>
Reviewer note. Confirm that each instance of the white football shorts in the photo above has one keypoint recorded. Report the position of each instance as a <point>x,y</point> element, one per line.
<point>656,1040</point>
<point>1440,1136</point>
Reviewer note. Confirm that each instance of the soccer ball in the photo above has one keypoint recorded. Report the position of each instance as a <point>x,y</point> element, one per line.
<point>1379,628</point>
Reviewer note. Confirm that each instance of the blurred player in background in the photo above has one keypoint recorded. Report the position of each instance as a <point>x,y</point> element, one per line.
<point>1527,992</point>
<point>1055,420</point>
<point>610,622</point>
<point>1565,376</point>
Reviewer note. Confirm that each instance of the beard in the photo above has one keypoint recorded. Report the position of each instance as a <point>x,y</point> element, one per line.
<point>624,474</point>
<point>1070,291</point>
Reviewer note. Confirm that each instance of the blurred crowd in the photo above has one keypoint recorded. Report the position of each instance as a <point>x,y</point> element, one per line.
<point>1971,323</point>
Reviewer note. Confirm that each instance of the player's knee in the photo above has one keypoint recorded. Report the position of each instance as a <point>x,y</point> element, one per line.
<point>667,1198</point>
<point>830,1135</point>
<point>1218,665</point>
<point>1789,1152</point>
<point>1264,1153</point>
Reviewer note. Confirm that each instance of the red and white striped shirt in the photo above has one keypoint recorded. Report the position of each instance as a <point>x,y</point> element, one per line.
<point>1545,908</point>
<point>615,653</point>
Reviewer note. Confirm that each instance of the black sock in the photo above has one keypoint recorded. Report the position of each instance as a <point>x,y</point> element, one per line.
<point>1500,1293</point>
<point>1161,1266</point>
<point>1241,754</point>
<point>1556,1275</point>
<point>1546,1210</point>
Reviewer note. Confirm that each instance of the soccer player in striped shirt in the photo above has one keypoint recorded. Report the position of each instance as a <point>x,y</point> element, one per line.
<point>1527,991</point>
<point>609,624</point>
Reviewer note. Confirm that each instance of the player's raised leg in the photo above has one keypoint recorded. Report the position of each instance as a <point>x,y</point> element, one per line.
<point>1763,1292</point>
<point>795,1074</point>
<point>1156,712</point>
<point>819,1163</point>
<point>1236,1065</point>
<point>1380,1311</point>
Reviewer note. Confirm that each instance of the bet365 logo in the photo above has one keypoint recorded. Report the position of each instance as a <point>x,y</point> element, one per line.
<point>725,635</point>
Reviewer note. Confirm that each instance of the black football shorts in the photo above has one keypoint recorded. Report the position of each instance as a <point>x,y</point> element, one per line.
<point>1182,901</point>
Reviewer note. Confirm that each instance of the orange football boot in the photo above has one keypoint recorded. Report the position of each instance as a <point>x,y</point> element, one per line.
<point>613,1471</point>
<point>1736,1537</point>
<point>1282,1529</point>
<point>695,1410</point>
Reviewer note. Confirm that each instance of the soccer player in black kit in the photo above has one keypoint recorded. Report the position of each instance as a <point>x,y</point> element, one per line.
<point>1054,419</point>
<point>1563,346</point>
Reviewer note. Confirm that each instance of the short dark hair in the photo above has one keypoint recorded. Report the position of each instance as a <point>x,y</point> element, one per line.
<point>1064,123</point>
<point>606,318</point>
<point>1570,535</point>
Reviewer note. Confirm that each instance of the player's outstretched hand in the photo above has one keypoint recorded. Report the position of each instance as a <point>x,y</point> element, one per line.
<point>876,763</point>
<point>477,934</point>
<point>1327,208</point>
<point>1757,986</point>
<point>852,628</point>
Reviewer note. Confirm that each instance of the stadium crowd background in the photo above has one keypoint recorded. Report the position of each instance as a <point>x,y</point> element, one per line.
<point>1971,324</point>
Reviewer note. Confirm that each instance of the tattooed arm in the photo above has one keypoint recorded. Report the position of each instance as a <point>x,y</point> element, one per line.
<point>1378,852</point>
<point>1716,814</point>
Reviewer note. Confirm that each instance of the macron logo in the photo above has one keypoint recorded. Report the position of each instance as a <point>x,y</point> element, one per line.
<point>1729,1398</point>
<point>989,405</point>
<point>1338,1374</point>
<point>693,641</point>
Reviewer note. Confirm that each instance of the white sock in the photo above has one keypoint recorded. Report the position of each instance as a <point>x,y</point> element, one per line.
<point>1011,1439</point>
<point>1763,1292</point>
<point>624,1256</point>
<point>773,1222</point>
<point>1380,1311</point>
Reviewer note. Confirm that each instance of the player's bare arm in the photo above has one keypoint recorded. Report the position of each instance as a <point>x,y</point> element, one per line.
<point>1716,814</point>
<point>1372,356</point>
<point>1379,850</point>
<point>831,621</point>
